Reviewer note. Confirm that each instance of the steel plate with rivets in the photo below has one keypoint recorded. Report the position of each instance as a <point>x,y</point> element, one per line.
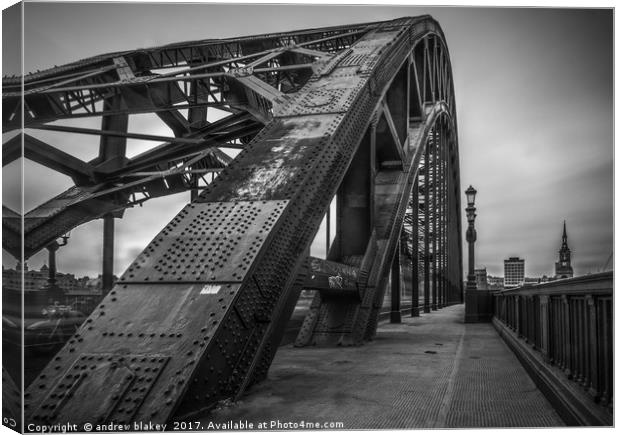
<point>207,242</point>
<point>108,387</point>
<point>180,321</point>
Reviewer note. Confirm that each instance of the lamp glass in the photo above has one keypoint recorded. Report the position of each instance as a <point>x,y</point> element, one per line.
<point>471,195</point>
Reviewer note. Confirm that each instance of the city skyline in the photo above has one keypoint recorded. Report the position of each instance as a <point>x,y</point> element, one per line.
<point>44,266</point>
<point>534,119</point>
<point>553,273</point>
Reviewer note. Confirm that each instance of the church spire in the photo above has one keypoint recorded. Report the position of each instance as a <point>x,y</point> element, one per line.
<point>563,268</point>
<point>564,237</point>
<point>564,246</point>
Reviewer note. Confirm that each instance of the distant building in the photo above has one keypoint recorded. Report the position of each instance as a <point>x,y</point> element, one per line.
<point>481,278</point>
<point>82,294</point>
<point>563,268</point>
<point>514,272</point>
<point>495,282</point>
<point>35,280</point>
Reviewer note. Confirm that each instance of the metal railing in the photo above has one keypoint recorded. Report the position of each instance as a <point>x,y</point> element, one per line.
<point>570,322</point>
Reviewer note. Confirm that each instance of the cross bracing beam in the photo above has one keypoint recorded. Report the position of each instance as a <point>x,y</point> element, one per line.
<point>173,55</point>
<point>203,307</point>
<point>79,205</point>
<point>77,89</point>
<point>141,136</point>
<point>93,182</point>
<point>156,79</point>
<point>46,155</point>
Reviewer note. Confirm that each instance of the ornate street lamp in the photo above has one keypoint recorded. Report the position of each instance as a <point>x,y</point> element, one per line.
<point>470,236</point>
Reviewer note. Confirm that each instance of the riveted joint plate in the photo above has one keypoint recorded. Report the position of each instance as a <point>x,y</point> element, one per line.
<point>207,242</point>
<point>337,98</point>
<point>123,69</point>
<point>331,64</point>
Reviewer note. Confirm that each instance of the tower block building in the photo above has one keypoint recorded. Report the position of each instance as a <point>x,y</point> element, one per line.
<point>563,268</point>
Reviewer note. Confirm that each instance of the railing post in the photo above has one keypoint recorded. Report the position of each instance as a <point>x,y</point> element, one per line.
<point>537,316</point>
<point>593,385</point>
<point>581,350</point>
<point>566,329</point>
<point>511,312</point>
<point>500,307</point>
<point>508,311</point>
<point>533,321</point>
<point>518,323</point>
<point>558,343</point>
<point>525,319</point>
<point>535,312</point>
<point>515,313</point>
<point>606,351</point>
<point>544,327</point>
<point>575,343</point>
<point>561,342</point>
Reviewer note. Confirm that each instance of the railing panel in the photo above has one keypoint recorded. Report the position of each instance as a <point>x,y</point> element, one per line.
<point>570,322</point>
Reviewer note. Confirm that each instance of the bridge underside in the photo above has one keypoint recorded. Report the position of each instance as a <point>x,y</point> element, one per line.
<point>360,116</point>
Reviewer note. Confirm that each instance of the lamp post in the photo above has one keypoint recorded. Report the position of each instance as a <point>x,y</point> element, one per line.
<point>470,236</point>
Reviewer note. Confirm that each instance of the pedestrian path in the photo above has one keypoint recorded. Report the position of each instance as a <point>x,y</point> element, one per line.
<point>432,371</point>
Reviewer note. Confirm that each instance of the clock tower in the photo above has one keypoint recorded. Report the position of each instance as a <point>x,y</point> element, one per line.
<point>563,269</point>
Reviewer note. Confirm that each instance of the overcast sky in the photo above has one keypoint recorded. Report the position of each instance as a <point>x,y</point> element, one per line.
<point>534,104</point>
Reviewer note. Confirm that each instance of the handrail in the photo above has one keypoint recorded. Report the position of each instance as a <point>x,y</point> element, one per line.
<point>574,284</point>
<point>570,322</point>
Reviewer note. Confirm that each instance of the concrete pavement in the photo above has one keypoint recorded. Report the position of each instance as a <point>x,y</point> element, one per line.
<point>433,371</point>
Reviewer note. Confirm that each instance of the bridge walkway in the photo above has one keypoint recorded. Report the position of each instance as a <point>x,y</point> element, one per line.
<point>432,371</point>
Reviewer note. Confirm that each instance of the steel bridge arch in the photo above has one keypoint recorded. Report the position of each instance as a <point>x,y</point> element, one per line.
<point>364,327</point>
<point>198,315</point>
